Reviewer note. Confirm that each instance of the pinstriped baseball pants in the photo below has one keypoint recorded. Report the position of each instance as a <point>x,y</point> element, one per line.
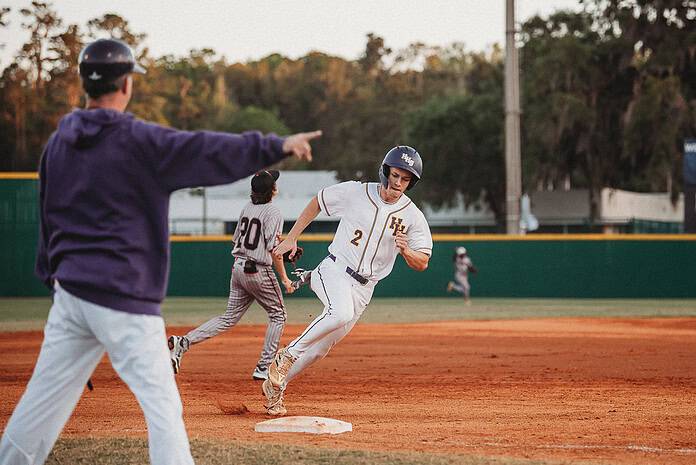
<point>261,286</point>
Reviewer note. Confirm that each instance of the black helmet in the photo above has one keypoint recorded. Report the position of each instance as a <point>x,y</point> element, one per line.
<point>107,59</point>
<point>404,157</point>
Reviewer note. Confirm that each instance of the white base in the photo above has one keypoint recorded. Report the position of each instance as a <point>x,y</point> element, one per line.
<point>314,425</point>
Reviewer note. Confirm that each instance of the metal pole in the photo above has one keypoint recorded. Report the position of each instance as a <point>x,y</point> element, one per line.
<point>513,171</point>
<point>205,212</point>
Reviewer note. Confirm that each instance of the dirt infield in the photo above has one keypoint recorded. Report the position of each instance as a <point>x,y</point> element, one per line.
<point>596,390</point>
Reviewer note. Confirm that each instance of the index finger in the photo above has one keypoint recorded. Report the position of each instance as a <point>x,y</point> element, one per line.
<point>313,134</point>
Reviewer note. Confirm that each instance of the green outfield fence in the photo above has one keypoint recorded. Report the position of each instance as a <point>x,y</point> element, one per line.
<point>550,265</point>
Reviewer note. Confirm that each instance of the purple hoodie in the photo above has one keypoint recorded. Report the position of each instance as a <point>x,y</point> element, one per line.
<point>105,181</point>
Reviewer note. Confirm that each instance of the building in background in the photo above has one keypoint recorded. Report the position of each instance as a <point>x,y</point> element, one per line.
<point>214,210</point>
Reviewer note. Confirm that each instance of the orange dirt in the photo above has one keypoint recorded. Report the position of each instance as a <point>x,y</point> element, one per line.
<point>599,390</point>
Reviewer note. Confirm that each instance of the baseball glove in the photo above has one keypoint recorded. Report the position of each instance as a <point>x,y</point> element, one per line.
<point>303,277</point>
<point>298,254</point>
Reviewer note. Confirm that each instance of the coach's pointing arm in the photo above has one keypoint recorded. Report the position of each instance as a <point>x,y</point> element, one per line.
<point>206,158</point>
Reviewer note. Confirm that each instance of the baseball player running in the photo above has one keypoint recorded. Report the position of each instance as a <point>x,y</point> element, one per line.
<point>377,223</point>
<point>462,266</point>
<point>105,179</point>
<point>259,226</point>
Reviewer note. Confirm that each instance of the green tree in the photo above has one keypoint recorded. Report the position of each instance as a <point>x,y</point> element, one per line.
<point>252,118</point>
<point>660,42</point>
<point>24,82</point>
<point>461,140</point>
<point>116,27</point>
<point>576,86</point>
<point>65,88</point>
<point>3,21</point>
<point>42,22</point>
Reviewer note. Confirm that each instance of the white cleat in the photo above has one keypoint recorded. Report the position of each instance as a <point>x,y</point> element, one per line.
<point>279,368</point>
<point>260,373</point>
<point>274,399</point>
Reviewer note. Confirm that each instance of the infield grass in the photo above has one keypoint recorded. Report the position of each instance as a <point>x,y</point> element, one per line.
<point>18,314</point>
<point>119,451</point>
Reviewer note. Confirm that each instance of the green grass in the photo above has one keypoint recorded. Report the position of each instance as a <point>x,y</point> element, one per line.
<point>30,313</point>
<point>134,452</point>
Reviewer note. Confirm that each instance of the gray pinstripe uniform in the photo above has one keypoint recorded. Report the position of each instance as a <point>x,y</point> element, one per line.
<point>256,235</point>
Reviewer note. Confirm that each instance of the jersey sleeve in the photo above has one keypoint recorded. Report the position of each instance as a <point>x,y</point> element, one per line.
<point>333,200</point>
<point>419,237</point>
<point>235,235</point>
<point>273,227</point>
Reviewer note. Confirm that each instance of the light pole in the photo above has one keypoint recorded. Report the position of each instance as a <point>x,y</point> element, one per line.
<point>513,171</point>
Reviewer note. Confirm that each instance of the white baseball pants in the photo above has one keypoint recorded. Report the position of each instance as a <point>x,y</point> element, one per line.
<point>461,284</point>
<point>75,337</point>
<point>344,301</point>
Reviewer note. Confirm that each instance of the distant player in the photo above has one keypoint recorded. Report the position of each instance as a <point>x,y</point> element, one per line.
<point>378,222</point>
<point>462,266</point>
<point>259,226</point>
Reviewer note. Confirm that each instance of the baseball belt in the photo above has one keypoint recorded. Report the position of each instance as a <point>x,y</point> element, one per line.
<point>353,274</point>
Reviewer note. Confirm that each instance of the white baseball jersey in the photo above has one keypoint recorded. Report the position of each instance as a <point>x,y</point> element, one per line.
<point>257,232</point>
<point>462,264</point>
<point>365,239</point>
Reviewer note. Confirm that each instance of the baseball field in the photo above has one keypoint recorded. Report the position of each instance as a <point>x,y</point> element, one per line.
<point>423,381</point>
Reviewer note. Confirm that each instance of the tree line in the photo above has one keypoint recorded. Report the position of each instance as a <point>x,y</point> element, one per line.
<point>608,95</point>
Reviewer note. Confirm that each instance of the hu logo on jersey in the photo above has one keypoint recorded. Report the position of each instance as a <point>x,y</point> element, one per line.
<point>407,159</point>
<point>396,225</point>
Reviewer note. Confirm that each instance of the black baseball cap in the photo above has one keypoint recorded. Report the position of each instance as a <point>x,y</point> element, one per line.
<point>107,59</point>
<point>263,181</point>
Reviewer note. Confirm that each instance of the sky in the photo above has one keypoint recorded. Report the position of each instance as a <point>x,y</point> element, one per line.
<point>242,30</point>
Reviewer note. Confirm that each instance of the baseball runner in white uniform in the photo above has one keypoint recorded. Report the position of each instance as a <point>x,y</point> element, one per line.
<point>258,229</point>
<point>378,222</point>
<point>462,266</point>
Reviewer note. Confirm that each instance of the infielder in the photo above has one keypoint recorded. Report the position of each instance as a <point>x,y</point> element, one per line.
<point>377,223</point>
<point>104,184</point>
<point>259,226</point>
<point>462,266</point>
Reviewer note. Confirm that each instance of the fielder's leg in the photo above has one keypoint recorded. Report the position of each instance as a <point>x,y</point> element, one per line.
<point>457,285</point>
<point>268,294</point>
<point>68,356</point>
<point>238,303</point>
<point>467,288</point>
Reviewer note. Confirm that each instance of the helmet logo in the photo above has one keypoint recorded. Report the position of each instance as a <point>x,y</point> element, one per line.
<point>94,76</point>
<point>407,159</point>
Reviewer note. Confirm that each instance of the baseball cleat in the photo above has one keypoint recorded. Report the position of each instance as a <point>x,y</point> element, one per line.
<point>177,346</point>
<point>303,278</point>
<point>260,373</point>
<point>279,368</point>
<point>274,399</point>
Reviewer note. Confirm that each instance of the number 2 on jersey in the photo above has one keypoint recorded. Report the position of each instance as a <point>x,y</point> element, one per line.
<point>253,228</point>
<point>356,240</point>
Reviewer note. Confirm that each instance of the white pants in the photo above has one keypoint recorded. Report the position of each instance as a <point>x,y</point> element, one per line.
<point>461,284</point>
<point>344,301</point>
<point>75,337</point>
